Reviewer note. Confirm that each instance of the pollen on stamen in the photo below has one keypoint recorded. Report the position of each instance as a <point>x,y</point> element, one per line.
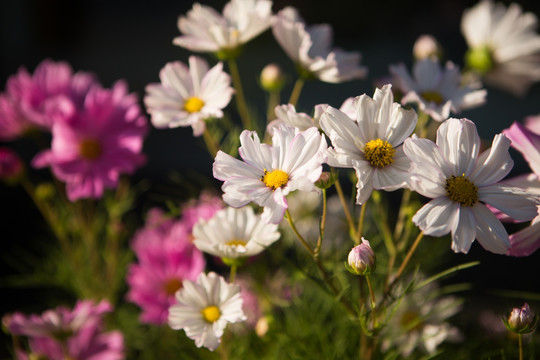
<point>193,104</point>
<point>90,149</point>
<point>275,179</point>
<point>379,153</point>
<point>211,313</point>
<point>462,190</point>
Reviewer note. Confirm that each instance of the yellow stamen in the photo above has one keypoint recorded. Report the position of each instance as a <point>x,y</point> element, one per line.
<point>193,104</point>
<point>211,313</point>
<point>379,153</point>
<point>236,242</point>
<point>90,149</point>
<point>433,96</point>
<point>275,179</point>
<point>462,190</point>
<point>172,286</point>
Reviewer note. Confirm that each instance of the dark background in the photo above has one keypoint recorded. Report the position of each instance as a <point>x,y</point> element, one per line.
<point>132,40</point>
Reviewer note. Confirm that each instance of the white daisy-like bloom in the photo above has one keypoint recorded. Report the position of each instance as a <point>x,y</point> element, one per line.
<point>420,322</point>
<point>268,173</point>
<point>234,233</point>
<point>504,45</point>
<point>310,47</point>
<point>205,307</point>
<point>437,91</point>
<point>286,114</point>
<point>206,30</point>
<point>461,182</point>
<point>187,96</point>
<point>371,143</point>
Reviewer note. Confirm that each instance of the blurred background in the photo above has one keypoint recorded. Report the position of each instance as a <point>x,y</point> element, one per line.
<point>132,40</point>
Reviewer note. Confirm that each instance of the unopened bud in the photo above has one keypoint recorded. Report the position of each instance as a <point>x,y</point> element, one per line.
<point>427,47</point>
<point>272,78</point>
<point>327,179</point>
<point>361,260</point>
<point>521,320</point>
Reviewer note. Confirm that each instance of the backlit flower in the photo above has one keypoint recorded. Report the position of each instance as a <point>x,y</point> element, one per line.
<point>93,145</point>
<point>461,182</point>
<point>64,333</point>
<point>371,143</point>
<point>187,96</point>
<point>34,94</point>
<point>268,173</point>
<point>233,233</point>
<point>205,30</point>
<point>310,48</point>
<point>204,308</point>
<point>166,257</point>
<point>503,45</point>
<point>436,91</point>
<point>202,208</point>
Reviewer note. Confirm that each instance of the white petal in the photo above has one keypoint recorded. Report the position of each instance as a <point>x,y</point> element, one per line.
<point>490,233</point>
<point>464,231</point>
<point>459,143</point>
<point>512,201</point>
<point>493,164</point>
<point>437,217</point>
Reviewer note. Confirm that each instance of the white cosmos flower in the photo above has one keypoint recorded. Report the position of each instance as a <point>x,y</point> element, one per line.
<point>437,91</point>
<point>233,233</point>
<point>311,49</point>
<point>268,173</point>
<point>205,30</point>
<point>371,143</point>
<point>286,114</point>
<point>504,45</point>
<point>461,182</point>
<point>188,96</point>
<point>205,307</point>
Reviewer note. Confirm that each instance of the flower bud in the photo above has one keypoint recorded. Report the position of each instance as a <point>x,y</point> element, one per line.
<point>521,320</point>
<point>327,179</point>
<point>427,47</point>
<point>272,78</point>
<point>361,259</point>
<point>11,166</point>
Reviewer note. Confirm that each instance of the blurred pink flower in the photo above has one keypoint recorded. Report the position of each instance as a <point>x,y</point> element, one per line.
<point>93,145</point>
<point>166,258</point>
<point>64,333</point>
<point>200,209</point>
<point>35,94</point>
<point>11,166</point>
<point>12,123</point>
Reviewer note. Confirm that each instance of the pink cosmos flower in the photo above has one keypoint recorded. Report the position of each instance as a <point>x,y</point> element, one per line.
<point>93,145</point>
<point>527,240</point>
<point>166,258</point>
<point>64,333</point>
<point>35,94</point>
<point>12,123</point>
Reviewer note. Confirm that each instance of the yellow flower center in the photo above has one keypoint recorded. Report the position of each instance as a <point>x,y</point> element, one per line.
<point>90,149</point>
<point>275,179</point>
<point>172,286</point>
<point>236,242</point>
<point>193,104</point>
<point>379,153</point>
<point>462,190</point>
<point>433,96</point>
<point>211,313</point>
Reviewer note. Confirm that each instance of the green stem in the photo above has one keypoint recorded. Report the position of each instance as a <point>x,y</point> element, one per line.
<point>211,144</point>
<point>321,225</point>
<point>295,94</point>
<point>240,98</point>
<point>409,255</point>
<point>360,224</point>
<point>300,237</point>
<point>273,101</point>
<point>383,224</point>
<point>345,209</point>
<point>520,342</point>
<point>232,275</point>
<point>400,223</point>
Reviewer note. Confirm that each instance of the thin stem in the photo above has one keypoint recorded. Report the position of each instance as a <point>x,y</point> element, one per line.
<point>232,274</point>
<point>520,342</point>
<point>211,143</point>
<point>240,98</point>
<point>360,224</point>
<point>345,208</point>
<point>293,227</point>
<point>321,225</point>
<point>409,255</point>
<point>400,223</point>
<point>273,101</point>
<point>383,223</point>
<point>295,94</point>
<point>371,293</point>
